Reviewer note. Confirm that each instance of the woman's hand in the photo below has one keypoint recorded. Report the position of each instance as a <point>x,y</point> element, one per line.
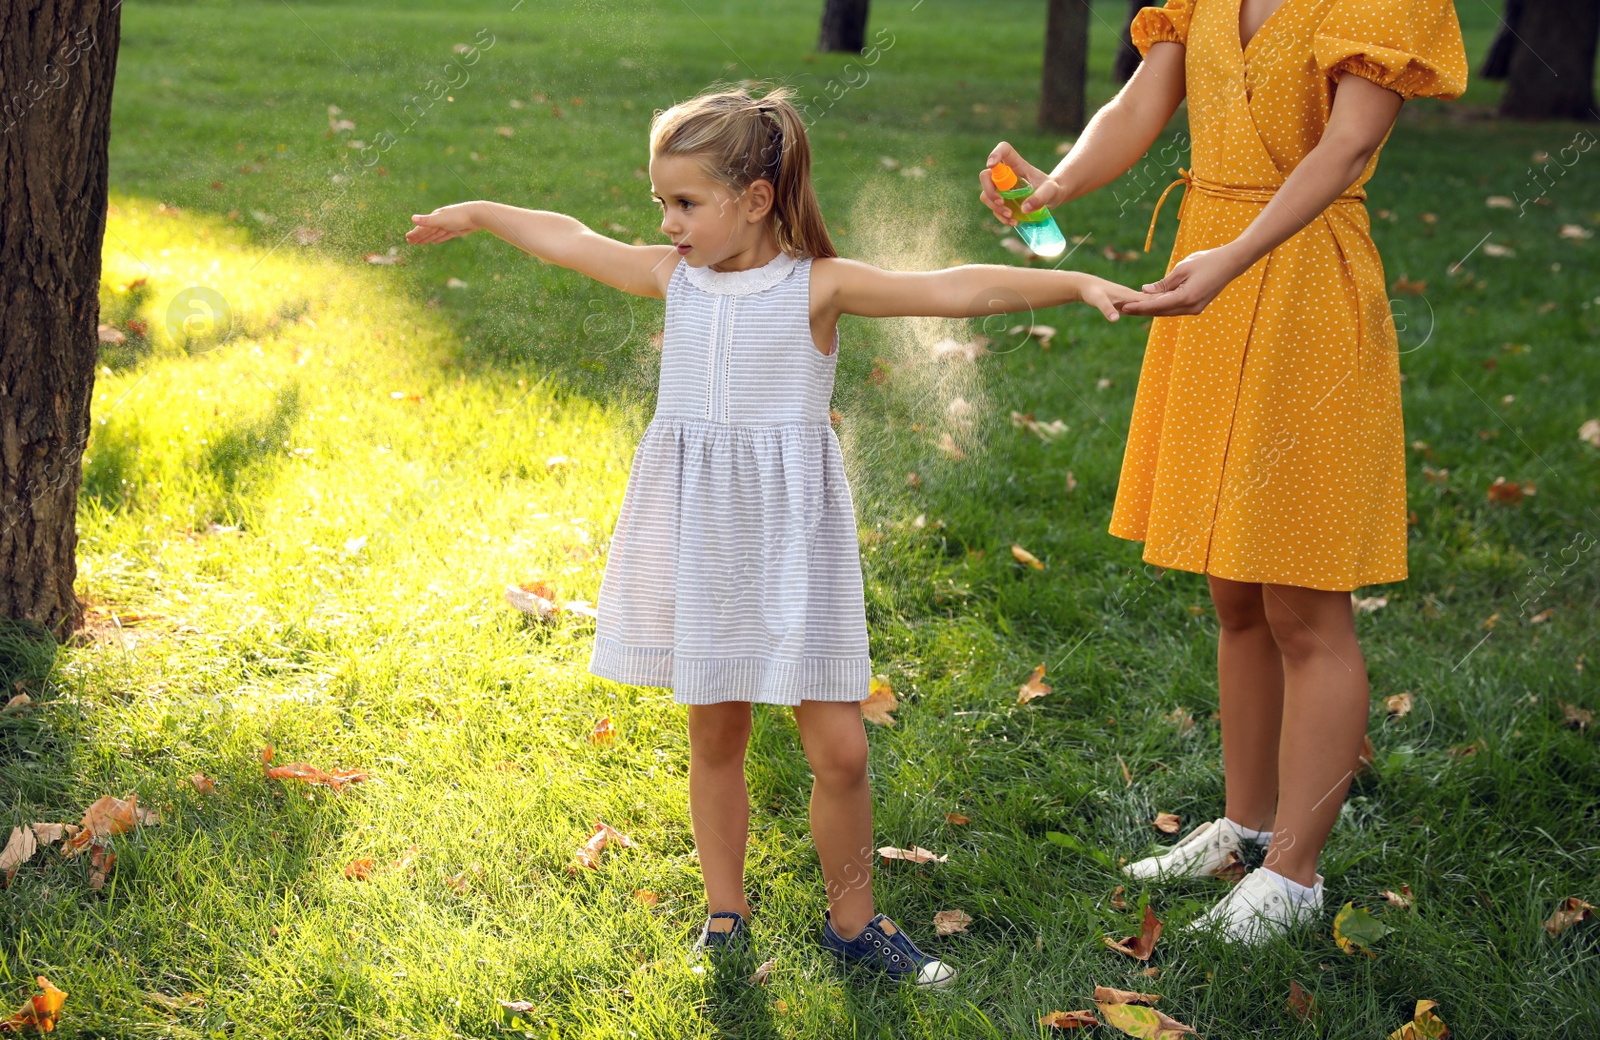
<point>1046,192</point>
<point>1106,296</point>
<point>443,224</point>
<point>1191,284</point>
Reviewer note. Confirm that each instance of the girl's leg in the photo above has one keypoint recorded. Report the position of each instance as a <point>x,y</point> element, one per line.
<point>1324,719</point>
<point>835,740</point>
<point>719,801</point>
<point>1250,695</point>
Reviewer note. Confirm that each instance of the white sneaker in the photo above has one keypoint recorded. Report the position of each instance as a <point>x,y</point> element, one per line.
<point>1203,851</point>
<point>1258,909</point>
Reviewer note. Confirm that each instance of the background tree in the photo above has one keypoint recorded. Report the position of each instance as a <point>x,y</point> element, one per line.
<point>1551,75</point>
<point>1066,66</point>
<point>1128,58</point>
<point>1498,60</point>
<point>58,59</point>
<point>844,26</point>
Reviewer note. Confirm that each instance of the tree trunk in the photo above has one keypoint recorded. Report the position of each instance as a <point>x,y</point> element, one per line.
<point>1066,66</point>
<point>1127,54</point>
<point>1552,63</point>
<point>57,62</point>
<point>844,26</point>
<point>1498,61</point>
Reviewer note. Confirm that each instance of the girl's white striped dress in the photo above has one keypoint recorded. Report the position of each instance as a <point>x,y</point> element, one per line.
<point>734,573</point>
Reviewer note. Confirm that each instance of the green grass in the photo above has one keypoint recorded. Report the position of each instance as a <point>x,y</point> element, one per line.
<point>395,654</point>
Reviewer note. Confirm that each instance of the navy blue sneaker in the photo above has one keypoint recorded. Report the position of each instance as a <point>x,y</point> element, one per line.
<point>883,946</point>
<point>723,931</point>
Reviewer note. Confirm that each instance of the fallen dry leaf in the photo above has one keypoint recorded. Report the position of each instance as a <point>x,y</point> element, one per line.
<point>310,774</point>
<point>1140,946</point>
<point>202,783</point>
<point>880,702</point>
<point>604,731</point>
<point>948,445</point>
<point>1301,1004</point>
<point>40,1013</point>
<point>646,897</point>
<point>1181,718</point>
<point>1069,1019</point>
<point>1543,616</point>
<point>761,973</point>
<point>1117,900</point>
<point>1399,705</point>
<point>20,848</point>
<point>588,854</point>
<point>17,704</point>
<point>1575,717</point>
<point>1505,493</point>
<point>915,854</point>
<point>1365,756</point>
<point>1107,995</point>
<point>107,817</point>
<point>1368,604</point>
<point>1140,1021</point>
<point>101,861</point>
<point>1167,823</point>
<point>956,818</point>
<point>532,602</point>
<point>1569,911</point>
<point>1410,288</point>
<point>1401,899</point>
<point>1424,1025</point>
<point>1232,871</point>
<point>360,869</point>
<point>949,922</point>
<point>1589,432</point>
<point>1034,688</point>
<point>1024,556</point>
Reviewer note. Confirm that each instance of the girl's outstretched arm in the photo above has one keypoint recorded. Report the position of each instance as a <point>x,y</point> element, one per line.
<point>843,286</point>
<point>1113,141</point>
<point>557,238</point>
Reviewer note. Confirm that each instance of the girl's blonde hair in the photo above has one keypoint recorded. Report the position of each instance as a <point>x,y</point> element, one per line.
<point>738,140</point>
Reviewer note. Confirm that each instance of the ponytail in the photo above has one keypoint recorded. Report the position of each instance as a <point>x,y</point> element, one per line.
<point>739,140</point>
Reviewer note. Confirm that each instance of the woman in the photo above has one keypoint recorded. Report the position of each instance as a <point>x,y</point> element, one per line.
<point>1266,449</point>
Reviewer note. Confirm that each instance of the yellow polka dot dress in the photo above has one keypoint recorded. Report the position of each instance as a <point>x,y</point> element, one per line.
<point>1266,443</point>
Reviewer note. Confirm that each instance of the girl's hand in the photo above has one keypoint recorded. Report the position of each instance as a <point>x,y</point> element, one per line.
<point>1046,192</point>
<point>443,224</point>
<point>1107,297</point>
<point>1194,282</point>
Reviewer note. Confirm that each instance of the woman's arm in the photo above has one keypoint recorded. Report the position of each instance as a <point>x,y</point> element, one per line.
<point>1362,115</point>
<point>557,238</point>
<point>1113,141</point>
<point>969,291</point>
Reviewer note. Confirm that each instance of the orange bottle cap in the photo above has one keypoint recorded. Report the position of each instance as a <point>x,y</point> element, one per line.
<point>1005,178</point>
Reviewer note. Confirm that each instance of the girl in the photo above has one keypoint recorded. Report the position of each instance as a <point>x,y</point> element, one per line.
<point>1266,448</point>
<point>734,575</point>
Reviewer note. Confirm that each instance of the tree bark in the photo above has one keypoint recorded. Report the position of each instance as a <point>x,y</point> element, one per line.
<point>1498,61</point>
<point>1552,62</point>
<point>1066,66</point>
<point>58,60</point>
<point>1128,57</point>
<point>844,26</point>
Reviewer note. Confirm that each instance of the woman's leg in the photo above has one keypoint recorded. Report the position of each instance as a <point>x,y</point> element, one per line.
<point>1250,695</point>
<point>719,801</point>
<point>835,740</point>
<point>1325,709</point>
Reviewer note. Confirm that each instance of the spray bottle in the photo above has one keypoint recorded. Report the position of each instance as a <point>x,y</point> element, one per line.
<point>1038,229</point>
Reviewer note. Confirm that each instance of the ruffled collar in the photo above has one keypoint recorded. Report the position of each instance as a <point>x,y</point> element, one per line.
<point>741,283</point>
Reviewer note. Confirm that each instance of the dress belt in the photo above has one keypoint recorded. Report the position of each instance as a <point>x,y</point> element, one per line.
<point>1226,191</point>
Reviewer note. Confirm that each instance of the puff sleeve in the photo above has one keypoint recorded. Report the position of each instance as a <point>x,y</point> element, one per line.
<point>1412,47</point>
<point>1154,25</point>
